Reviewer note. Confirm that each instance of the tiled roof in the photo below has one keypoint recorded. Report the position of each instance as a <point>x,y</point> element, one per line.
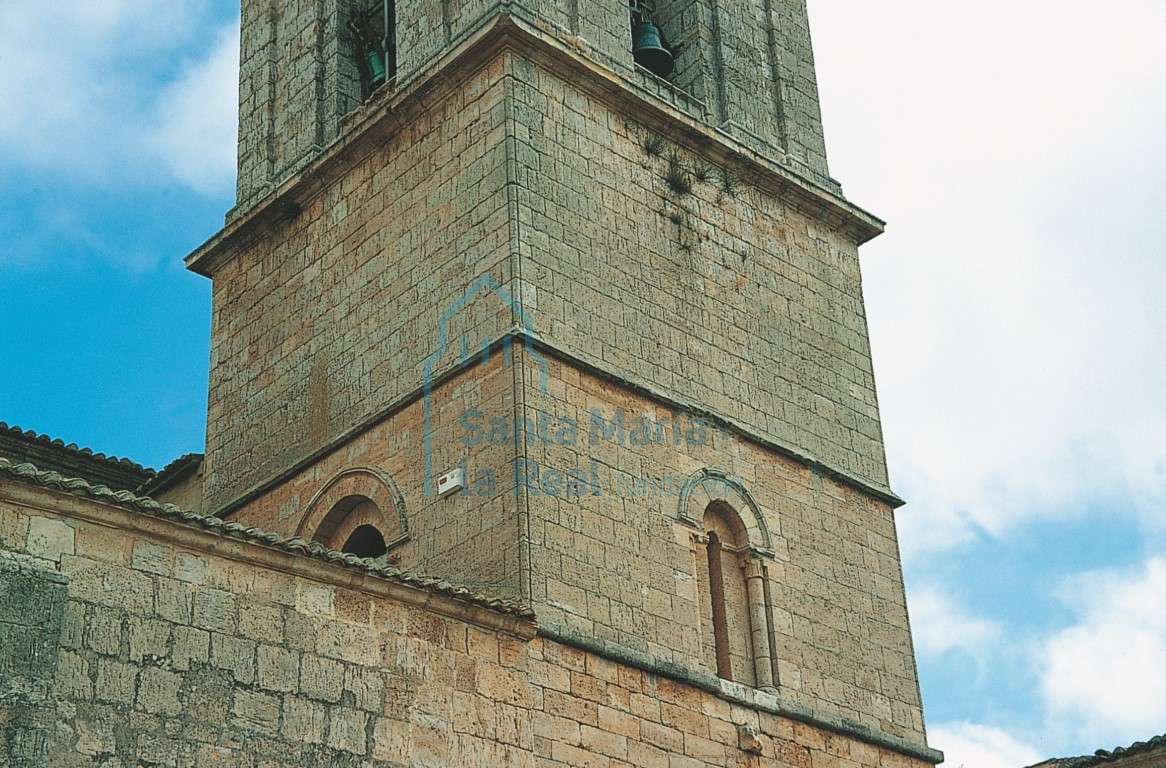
<point>1103,757</point>
<point>177,468</point>
<point>21,445</point>
<point>30,475</point>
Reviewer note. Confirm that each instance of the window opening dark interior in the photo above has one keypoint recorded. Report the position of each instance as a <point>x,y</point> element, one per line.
<point>649,48</point>
<point>365,541</point>
<point>374,28</point>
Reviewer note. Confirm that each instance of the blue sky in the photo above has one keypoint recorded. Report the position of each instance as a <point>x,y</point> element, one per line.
<point>1014,303</point>
<point>117,159</point>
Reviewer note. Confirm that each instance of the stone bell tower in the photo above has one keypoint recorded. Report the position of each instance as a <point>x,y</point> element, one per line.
<point>531,318</point>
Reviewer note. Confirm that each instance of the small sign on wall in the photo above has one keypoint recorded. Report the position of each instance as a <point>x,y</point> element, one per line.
<point>453,480</point>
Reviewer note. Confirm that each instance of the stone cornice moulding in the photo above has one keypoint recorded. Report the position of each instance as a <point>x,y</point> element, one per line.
<point>518,338</point>
<point>375,123</point>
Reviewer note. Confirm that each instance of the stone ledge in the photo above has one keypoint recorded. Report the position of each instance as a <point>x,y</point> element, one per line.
<point>880,492</point>
<point>518,335</point>
<point>736,692</point>
<point>508,31</point>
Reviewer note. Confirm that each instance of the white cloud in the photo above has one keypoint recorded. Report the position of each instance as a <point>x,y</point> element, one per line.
<point>968,745</point>
<point>81,83</point>
<point>939,625</point>
<point>198,118</point>
<point>1104,677</point>
<point>1014,300</point>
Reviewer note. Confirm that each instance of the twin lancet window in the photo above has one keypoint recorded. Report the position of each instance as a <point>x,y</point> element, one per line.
<point>725,616</point>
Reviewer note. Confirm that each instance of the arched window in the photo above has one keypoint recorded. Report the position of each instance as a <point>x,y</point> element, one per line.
<point>354,526</point>
<point>732,556</point>
<point>727,633</point>
<point>359,512</point>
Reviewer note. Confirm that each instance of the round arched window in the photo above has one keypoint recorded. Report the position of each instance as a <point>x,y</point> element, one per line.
<point>348,515</point>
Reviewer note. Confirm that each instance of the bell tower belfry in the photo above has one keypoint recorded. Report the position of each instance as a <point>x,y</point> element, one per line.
<point>747,65</point>
<point>507,308</point>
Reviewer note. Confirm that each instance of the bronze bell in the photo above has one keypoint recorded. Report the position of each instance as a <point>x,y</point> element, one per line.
<point>648,49</point>
<point>376,68</point>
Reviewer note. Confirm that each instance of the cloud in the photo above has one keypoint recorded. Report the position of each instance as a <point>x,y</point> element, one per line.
<point>1014,300</point>
<point>938,625</point>
<point>197,118</point>
<point>1104,676</point>
<point>969,745</point>
<point>1014,307</point>
<point>82,83</point>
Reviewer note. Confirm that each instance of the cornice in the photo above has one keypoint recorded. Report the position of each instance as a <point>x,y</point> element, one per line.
<point>631,93</point>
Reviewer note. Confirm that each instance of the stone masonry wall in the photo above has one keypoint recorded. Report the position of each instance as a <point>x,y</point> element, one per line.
<point>650,261</point>
<point>180,647</point>
<point>297,78</point>
<point>330,317</point>
<point>750,61</point>
<point>471,537</point>
<point>614,559</point>
<point>717,295</point>
<point>624,249</point>
<point>609,557</point>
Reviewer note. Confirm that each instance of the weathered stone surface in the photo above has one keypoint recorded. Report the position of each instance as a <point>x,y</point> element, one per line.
<point>278,668</point>
<point>50,538</point>
<point>152,558</point>
<point>255,711</point>
<point>32,610</point>
<point>13,528</point>
<point>158,692</point>
<point>215,611</point>
<point>135,689</point>
<point>188,567</point>
<point>234,654</point>
<point>116,682</point>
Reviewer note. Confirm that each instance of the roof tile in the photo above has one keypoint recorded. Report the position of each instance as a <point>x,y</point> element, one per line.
<point>30,475</point>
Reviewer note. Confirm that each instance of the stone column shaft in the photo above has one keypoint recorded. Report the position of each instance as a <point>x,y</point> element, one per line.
<point>759,624</point>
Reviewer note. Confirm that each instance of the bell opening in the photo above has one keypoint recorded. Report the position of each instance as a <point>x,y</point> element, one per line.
<point>649,51</point>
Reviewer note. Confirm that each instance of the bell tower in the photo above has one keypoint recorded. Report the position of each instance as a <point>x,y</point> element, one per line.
<point>747,64</point>
<point>519,313</point>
